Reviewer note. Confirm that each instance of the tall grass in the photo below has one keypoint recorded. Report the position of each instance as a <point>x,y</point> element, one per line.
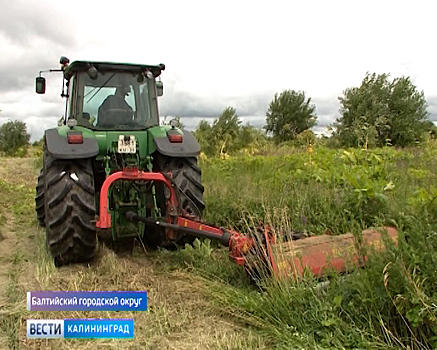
<point>392,302</point>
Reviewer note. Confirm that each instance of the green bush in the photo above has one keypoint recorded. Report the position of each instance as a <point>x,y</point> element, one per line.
<point>14,139</point>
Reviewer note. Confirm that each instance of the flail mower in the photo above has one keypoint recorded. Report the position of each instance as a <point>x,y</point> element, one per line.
<point>111,172</point>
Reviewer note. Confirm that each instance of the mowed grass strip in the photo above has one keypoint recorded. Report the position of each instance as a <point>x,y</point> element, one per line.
<point>179,316</point>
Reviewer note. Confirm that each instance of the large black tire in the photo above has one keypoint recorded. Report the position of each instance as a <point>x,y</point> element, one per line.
<point>186,177</point>
<point>70,210</point>
<point>39,200</point>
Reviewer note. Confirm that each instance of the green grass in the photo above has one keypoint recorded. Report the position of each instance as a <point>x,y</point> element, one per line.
<point>196,293</point>
<point>392,303</point>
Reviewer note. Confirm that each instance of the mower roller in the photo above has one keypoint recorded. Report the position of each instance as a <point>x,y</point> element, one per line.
<point>112,172</point>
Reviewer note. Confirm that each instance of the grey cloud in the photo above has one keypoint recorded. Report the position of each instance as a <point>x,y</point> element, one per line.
<point>37,125</point>
<point>327,110</point>
<point>17,76</point>
<point>432,107</point>
<point>20,75</point>
<point>178,101</point>
<point>33,35</point>
<point>50,110</point>
<point>251,108</point>
<point>21,105</point>
<point>23,21</point>
<point>188,104</point>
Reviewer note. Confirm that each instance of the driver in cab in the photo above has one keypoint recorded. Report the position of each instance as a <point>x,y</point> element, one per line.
<point>115,109</point>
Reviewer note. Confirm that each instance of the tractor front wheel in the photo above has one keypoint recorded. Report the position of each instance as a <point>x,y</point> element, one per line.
<point>69,210</point>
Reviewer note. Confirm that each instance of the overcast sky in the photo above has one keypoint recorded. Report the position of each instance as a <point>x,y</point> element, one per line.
<point>217,54</point>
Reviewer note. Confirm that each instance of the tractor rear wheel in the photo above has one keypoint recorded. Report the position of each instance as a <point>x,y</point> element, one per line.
<point>186,177</point>
<point>39,200</point>
<point>69,210</point>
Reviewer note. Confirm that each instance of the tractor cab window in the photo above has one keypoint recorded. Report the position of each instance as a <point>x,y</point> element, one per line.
<point>114,101</point>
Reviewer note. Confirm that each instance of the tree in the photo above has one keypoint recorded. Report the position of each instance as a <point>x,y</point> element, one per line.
<point>13,136</point>
<point>226,130</point>
<point>289,114</point>
<point>222,136</point>
<point>251,136</point>
<point>203,134</point>
<point>226,135</point>
<point>381,112</point>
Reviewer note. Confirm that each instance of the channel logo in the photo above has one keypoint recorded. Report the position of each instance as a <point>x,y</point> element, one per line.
<point>45,329</point>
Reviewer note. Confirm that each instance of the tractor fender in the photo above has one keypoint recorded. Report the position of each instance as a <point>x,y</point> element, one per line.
<point>58,146</point>
<point>189,147</point>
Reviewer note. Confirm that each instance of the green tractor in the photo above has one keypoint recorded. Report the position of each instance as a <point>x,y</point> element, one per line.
<point>112,173</point>
<point>109,153</point>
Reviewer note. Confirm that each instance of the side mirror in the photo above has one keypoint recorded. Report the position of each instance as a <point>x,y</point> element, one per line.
<point>40,85</point>
<point>159,88</point>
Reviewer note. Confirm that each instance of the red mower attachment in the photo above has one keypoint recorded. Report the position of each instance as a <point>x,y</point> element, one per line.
<point>259,253</point>
<point>319,253</point>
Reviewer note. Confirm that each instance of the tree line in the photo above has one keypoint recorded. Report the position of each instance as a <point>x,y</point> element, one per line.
<point>377,113</point>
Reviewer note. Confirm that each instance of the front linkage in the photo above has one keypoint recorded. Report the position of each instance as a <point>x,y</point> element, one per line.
<point>260,254</point>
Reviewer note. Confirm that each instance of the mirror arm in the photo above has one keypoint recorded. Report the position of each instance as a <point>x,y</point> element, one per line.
<point>49,70</point>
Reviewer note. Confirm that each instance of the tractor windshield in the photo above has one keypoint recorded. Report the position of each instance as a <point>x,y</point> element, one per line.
<point>115,100</point>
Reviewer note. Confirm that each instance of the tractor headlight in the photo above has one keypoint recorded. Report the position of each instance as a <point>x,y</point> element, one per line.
<point>174,123</point>
<point>71,123</point>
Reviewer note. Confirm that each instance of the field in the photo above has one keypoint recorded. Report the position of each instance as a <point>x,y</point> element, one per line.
<point>198,300</point>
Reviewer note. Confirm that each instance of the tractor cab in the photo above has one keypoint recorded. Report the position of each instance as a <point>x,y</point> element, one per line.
<point>111,96</point>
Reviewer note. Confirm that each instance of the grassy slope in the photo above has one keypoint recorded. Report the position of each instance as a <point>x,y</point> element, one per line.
<point>179,315</point>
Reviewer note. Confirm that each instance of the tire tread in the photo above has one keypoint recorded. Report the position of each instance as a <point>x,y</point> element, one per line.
<point>70,210</point>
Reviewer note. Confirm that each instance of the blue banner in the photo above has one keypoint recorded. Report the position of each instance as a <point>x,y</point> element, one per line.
<point>87,301</point>
<point>99,328</point>
<point>121,328</point>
